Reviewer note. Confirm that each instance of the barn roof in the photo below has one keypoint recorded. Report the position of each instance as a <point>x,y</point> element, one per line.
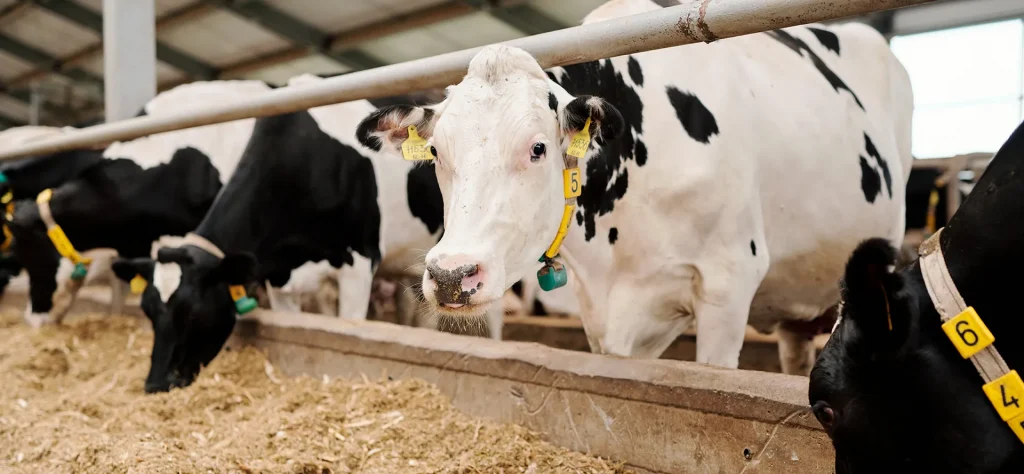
<point>55,46</point>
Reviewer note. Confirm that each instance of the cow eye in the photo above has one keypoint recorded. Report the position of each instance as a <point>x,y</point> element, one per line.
<point>433,151</point>
<point>824,413</point>
<point>537,151</point>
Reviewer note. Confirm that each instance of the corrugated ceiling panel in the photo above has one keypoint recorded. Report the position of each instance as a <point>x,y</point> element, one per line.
<point>94,65</point>
<point>50,33</point>
<point>13,108</point>
<point>93,4</point>
<point>60,91</point>
<point>472,30</point>
<point>570,13</point>
<point>163,7</point>
<point>11,66</point>
<point>166,73</point>
<point>221,38</point>
<point>335,17</point>
<point>315,64</point>
<point>330,17</point>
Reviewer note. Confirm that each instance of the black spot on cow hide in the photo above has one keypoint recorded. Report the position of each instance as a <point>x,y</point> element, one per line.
<point>697,120</point>
<point>870,183</point>
<point>425,201</point>
<point>635,73</point>
<point>798,46</point>
<point>753,248</point>
<point>869,147</point>
<point>827,38</point>
<point>552,102</point>
<point>606,180</point>
<point>640,152</point>
<point>613,235</point>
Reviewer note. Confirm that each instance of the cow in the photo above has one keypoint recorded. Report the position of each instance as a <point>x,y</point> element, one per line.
<point>890,387</point>
<point>305,191</point>
<point>130,194</point>
<point>26,177</point>
<point>722,184</point>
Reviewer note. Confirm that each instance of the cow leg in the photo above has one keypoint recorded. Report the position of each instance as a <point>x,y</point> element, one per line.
<point>796,340</point>
<point>117,295</point>
<point>355,286</point>
<point>328,297</point>
<point>495,320</point>
<point>722,309</point>
<point>40,260</point>
<point>529,297</point>
<point>796,351</point>
<point>407,303</point>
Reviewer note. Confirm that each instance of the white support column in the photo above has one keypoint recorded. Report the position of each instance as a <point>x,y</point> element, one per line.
<point>35,103</point>
<point>129,56</point>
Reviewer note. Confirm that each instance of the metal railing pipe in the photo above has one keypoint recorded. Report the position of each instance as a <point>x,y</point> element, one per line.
<point>691,22</point>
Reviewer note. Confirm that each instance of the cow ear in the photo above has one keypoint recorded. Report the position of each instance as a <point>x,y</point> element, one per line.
<point>235,269</point>
<point>606,122</point>
<point>873,296</point>
<point>126,269</point>
<point>387,127</point>
<point>177,255</point>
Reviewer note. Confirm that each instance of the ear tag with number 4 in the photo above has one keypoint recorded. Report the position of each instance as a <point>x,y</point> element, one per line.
<point>580,142</point>
<point>416,148</point>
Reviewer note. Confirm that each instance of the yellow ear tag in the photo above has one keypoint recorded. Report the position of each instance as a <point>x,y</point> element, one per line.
<point>580,142</point>
<point>237,292</point>
<point>415,148</point>
<point>138,285</point>
<point>63,245</point>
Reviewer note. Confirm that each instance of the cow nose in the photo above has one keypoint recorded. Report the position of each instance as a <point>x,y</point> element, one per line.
<point>456,279</point>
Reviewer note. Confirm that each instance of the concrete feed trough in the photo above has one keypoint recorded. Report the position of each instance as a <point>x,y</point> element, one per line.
<point>655,415</point>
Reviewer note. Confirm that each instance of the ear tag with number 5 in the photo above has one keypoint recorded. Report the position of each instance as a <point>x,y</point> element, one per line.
<point>416,148</point>
<point>580,142</point>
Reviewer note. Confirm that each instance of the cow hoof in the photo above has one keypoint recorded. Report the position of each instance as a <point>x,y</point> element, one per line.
<point>38,320</point>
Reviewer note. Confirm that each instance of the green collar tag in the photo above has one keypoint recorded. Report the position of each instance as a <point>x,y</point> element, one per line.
<point>552,275</point>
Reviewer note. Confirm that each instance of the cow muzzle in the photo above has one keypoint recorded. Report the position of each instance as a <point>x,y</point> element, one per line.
<point>454,280</point>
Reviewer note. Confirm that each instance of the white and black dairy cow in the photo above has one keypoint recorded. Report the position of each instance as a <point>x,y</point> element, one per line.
<point>305,191</point>
<point>130,194</point>
<point>724,183</point>
<point>27,177</point>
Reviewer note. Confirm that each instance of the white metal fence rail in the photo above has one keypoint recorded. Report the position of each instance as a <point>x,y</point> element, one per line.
<point>691,22</point>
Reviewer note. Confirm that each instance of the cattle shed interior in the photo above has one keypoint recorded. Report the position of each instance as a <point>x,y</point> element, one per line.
<point>538,392</point>
<point>52,53</point>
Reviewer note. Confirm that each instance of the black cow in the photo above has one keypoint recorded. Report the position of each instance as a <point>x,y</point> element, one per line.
<point>129,195</point>
<point>304,191</point>
<point>890,388</point>
<point>25,179</point>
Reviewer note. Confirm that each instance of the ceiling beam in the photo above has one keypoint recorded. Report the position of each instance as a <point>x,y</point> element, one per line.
<point>92,20</point>
<point>520,16</point>
<point>43,60</point>
<point>296,31</point>
<point>350,39</point>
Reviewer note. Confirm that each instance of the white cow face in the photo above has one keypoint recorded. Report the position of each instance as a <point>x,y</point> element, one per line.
<point>498,142</point>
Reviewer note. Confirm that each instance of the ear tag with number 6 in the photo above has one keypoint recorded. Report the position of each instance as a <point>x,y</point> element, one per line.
<point>416,148</point>
<point>580,142</point>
